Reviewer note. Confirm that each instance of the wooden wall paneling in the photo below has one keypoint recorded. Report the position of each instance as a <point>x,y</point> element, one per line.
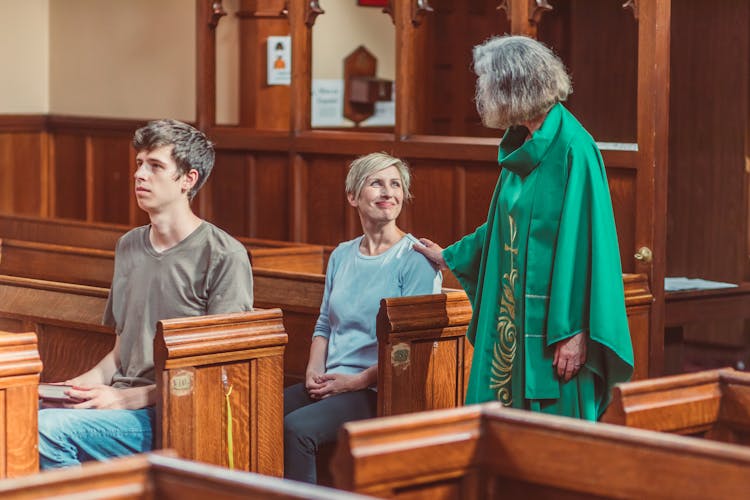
<point>651,178</point>
<point>69,179</point>
<point>597,40</point>
<point>262,106</point>
<point>111,171</point>
<point>229,193</point>
<point>452,30</point>
<point>432,213</point>
<point>622,190</point>
<point>270,193</point>
<point>325,201</point>
<point>23,173</point>
<point>709,124</point>
<point>480,183</point>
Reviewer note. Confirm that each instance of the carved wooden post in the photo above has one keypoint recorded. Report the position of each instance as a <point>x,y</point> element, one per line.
<point>654,21</point>
<point>208,366</point>
<point>19,379</point>
<point>525,15</point>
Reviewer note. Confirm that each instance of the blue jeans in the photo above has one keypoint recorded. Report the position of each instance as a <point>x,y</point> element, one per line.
<point>69,437</point>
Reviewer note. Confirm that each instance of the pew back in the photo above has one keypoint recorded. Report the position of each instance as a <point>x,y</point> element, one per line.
<point>714,404</point>
<point>66,319</point>
<point>157,476</point>
<point>486,451</point>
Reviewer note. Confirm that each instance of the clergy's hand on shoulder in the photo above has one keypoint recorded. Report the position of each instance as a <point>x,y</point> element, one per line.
<point>103,397</point>
<point>432,251</point>
<point>570,356</point>
<point>336,383</point>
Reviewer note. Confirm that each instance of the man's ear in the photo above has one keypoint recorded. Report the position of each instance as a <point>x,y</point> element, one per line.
<point>189,180</point>
<point>352,200</point>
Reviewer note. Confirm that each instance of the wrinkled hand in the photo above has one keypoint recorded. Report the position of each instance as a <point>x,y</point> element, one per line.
<point>432,251</point>
<point>570,356</point>
<point>103,397</point>
<point>331,384</point>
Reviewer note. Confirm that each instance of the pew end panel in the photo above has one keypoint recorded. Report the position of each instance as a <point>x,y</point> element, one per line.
<point>20,366</point>
<point>198,362</point>
<point>424,356</point>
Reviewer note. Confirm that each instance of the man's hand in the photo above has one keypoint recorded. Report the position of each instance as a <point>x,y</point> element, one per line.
<point>331,384</point>
<point>105,397</point>
<point>570,356</point>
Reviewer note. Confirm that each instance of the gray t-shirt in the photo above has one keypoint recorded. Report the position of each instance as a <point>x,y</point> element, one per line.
<point>206,273</point>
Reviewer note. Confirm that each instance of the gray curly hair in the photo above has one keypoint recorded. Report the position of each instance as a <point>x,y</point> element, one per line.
<point>519,79</point>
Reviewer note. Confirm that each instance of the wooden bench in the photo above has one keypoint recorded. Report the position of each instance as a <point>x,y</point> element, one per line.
<point>486,451</point>
<point>197,361</point>
<point>161,476</point>
<point>684,309</point>
<point>64,236</point>
<point>714,404</point>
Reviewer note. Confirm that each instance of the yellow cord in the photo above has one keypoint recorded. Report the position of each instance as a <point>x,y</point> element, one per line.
<point>230,444</point>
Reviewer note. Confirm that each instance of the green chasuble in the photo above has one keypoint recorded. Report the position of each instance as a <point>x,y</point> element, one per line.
<point>544,267</point>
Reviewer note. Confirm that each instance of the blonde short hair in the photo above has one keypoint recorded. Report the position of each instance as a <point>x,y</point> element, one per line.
<point>518,79</point>
<point>364,166</point>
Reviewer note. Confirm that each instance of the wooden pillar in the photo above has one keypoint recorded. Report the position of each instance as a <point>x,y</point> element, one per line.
<point>654,20</point>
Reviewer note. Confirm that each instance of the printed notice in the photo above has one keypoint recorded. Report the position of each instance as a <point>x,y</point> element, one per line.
<point>279,60</point>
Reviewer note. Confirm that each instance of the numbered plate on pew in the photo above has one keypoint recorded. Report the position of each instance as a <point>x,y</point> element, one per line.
<point>55,392</point>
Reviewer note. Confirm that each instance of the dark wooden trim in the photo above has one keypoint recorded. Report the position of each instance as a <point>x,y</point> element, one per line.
<point>23,123</point>
<point>92,125</point>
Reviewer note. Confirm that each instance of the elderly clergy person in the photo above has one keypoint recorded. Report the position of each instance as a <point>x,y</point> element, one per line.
<point>543,273</point>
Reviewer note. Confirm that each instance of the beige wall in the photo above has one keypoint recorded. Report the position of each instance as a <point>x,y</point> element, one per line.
<point>122,58</point>
<point>342,29</point>
<point>24,56</point>
<point>136,58</point>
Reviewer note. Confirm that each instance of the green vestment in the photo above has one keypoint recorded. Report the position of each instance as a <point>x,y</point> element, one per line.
<point>544,267</point>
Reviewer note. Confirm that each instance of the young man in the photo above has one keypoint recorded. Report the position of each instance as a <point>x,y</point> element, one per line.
<point>177,266</point>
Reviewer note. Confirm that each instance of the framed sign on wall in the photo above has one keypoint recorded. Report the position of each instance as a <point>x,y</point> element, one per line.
<point>373,3</point>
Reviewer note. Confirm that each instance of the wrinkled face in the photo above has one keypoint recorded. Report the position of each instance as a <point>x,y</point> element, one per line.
<point>381,197</point>
<point>158,183</point>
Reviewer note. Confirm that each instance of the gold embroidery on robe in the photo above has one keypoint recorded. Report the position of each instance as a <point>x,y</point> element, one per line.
<point>505,346</point>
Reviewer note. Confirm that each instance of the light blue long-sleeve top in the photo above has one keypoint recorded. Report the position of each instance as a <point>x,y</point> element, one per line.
<point>355,284</point>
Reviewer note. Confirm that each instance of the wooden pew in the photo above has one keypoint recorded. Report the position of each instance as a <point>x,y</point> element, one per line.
<point>66,318</point>
<point>425,358</point>
<point>696,307</point>
<point>197,361</point>
<point>159,476</point>
<point>19,378</point>
<point>486,451</point>
<point>66,233</point>
<point>714,404</point>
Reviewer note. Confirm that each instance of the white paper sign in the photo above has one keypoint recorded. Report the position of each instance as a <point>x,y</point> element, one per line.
<point>327,103</point>
<point>279,60</point>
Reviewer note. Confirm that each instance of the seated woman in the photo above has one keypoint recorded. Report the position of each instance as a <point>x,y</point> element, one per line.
<point>342,370</point>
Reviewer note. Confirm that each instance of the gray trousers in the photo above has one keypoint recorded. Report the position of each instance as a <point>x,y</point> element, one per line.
<point>310,423</point>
